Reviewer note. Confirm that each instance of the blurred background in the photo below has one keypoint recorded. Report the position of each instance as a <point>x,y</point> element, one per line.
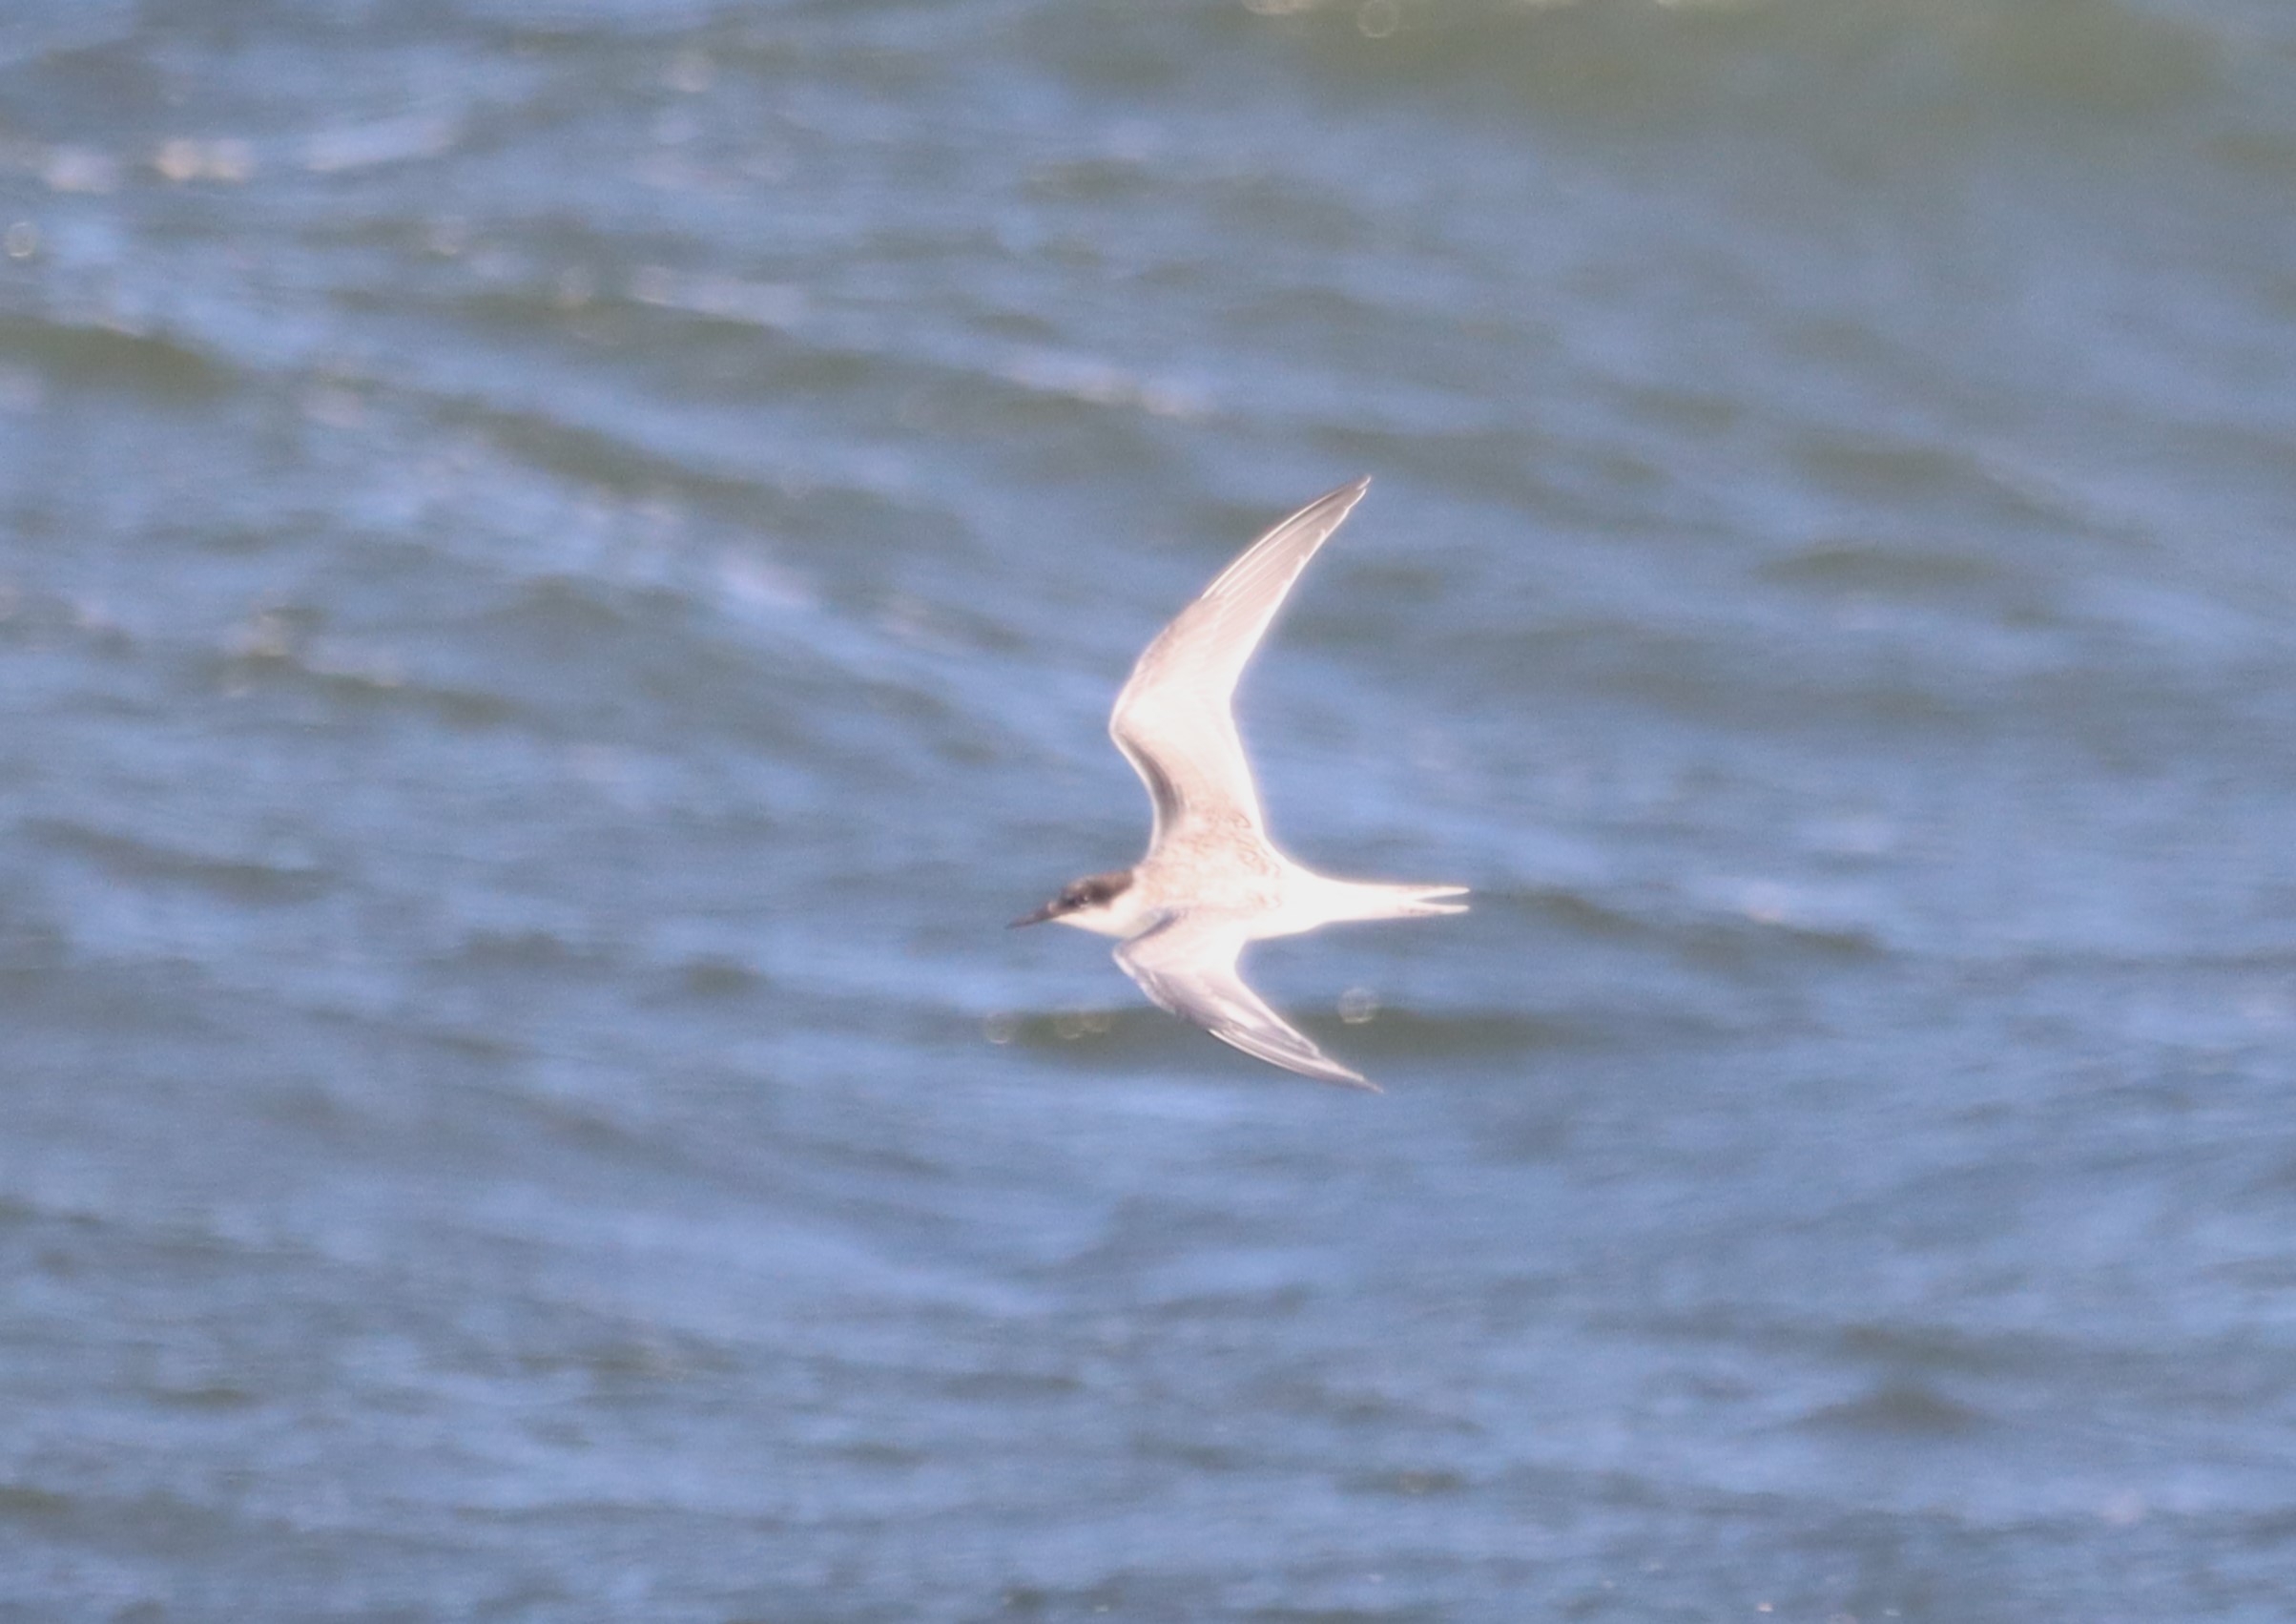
<point>561,568</point>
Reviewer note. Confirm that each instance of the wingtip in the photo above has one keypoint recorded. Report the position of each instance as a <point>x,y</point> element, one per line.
<point>1323,1069</point>
<point>1349,494</point>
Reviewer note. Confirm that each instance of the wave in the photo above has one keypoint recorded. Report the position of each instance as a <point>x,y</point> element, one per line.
<point>1867,60</point>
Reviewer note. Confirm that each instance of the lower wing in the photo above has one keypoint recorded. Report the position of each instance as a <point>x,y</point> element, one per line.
<point>1192,973</point>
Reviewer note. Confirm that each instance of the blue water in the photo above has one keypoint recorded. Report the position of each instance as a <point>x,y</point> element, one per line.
<point>561,568</point>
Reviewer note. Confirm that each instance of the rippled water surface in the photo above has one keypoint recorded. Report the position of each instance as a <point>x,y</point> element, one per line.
<point>562,567</point>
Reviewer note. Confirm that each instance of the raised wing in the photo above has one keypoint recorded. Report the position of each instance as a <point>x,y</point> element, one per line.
<point>1191,971</point>
<point>1175,721</point>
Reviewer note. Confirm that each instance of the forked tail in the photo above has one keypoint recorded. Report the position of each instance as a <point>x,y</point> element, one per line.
<point>1354,900</point>
<point>1411,902</point>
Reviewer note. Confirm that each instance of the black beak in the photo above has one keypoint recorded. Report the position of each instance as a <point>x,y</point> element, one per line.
<point>1037,918</point>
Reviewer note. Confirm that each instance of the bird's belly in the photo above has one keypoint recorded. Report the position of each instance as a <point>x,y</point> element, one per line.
<point>1221,882</point>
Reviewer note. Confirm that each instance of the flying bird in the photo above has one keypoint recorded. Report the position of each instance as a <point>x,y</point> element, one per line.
<point>1212,882</point>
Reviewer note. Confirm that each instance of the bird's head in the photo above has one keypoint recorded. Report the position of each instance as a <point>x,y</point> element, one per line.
<point>1095,903</point>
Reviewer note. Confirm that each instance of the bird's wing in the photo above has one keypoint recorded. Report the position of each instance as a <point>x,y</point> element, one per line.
<point>1174,720</point>
<point>1190,969</point>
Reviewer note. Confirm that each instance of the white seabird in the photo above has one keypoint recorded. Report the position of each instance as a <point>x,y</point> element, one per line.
<point>1213,881</point>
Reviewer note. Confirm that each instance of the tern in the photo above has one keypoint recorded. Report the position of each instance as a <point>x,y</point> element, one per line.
<point>1212,882</point>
